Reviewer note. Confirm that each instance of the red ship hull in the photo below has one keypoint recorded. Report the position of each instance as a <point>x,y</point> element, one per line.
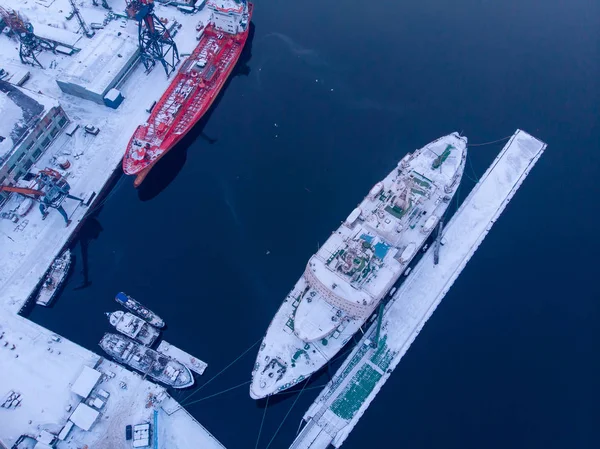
<point>186,100</point>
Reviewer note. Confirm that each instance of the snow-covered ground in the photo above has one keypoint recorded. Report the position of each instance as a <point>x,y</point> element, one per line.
<point>42,370</point>
<point>36,364</point>
<point>346,397</point>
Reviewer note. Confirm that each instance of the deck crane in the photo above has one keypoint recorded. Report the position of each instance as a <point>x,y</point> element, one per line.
<point>50,190</point>
<point>82,25</point>
<point>30,44</point>
<point>155,41</point>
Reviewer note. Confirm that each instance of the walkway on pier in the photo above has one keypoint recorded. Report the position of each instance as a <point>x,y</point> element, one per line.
<point>346,397</point>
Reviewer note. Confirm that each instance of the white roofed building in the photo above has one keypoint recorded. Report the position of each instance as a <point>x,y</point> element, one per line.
<point>86,381</point>
<point>100,66</point>
<point>84,416</point>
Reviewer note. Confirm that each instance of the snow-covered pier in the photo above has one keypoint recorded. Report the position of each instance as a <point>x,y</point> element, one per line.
<point>337,409</point>
<point>67,395</point>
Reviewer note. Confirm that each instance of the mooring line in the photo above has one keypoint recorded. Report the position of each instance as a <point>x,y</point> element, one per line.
<point>261,423</point>
<point>288,412</point>
<point>488,143</point>
<point>222,371</point>
<point>218,394</point>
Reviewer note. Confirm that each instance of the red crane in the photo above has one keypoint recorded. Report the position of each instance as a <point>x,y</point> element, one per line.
<point>30,44</point>
<point>51,189</point>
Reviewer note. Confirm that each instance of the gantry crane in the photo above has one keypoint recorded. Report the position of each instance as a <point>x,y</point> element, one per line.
<point>50,190</point>
<point>155,41</point>
<point>30,44</point>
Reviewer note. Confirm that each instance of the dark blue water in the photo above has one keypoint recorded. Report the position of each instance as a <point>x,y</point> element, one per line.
<point>510,358</point>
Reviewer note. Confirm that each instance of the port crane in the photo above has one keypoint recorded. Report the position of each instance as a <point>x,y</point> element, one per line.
<point>155,41</point>
<point>30,45</point>
<point>50,190</point>
<point>82,25</point>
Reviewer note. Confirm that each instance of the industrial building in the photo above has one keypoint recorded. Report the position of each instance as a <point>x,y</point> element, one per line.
<point>30,122</point>
<point>100,66</point>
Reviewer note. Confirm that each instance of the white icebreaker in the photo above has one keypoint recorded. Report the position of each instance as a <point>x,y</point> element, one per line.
<point>349,276</point>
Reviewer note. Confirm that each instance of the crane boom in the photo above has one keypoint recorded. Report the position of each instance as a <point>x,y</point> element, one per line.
<point>21,190</point>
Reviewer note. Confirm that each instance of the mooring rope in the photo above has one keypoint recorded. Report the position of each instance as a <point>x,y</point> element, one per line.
<point>106,198</point>
<point>488,143</point>
<point>472,170</point>
<point>261,423</point>
<point>288,412</point>
<point>218,394</point>
<point>222,371</point>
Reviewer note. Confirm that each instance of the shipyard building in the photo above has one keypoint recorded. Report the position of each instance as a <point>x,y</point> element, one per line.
<point>100,66</point>
<point>30,122</point>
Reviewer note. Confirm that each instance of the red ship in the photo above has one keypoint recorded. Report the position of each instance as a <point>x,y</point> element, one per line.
<point>194,88</point>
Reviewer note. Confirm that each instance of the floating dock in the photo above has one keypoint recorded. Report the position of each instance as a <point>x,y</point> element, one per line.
<point>196,365</point>
<point>337,409</point>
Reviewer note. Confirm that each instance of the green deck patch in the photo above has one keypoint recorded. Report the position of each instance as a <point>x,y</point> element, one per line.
<point>422,176</point>
<point>422,183</point>
<point>298,353</point>
<point>353,362</point>
<point>442,157</point>
<point>396,211</point>
<point>356,392</point>
<point>383,355</point>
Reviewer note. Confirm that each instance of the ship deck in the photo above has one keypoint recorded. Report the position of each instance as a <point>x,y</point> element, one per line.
<point>342,402</point>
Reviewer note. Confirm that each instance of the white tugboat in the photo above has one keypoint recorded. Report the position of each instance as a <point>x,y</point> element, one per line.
<point>356,267</point>
<point>133,327</point>
<point>54,279</point>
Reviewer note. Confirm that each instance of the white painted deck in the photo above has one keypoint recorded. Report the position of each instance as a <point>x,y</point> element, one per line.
<point>335,412</point>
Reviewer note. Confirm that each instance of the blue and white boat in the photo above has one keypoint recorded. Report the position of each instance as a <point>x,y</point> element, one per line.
<point>132,305</point>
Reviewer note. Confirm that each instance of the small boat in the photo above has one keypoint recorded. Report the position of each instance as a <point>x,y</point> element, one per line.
<point>54,279</point>
<point>133,327</point>
<point>132,305</point>
<point>158,366</point>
